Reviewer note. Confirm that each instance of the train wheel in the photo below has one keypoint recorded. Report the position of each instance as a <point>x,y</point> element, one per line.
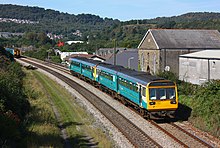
<point>124,101</point>
<point>142,112</point>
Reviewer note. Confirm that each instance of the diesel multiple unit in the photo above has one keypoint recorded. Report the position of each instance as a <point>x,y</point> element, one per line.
<point>150,95</point>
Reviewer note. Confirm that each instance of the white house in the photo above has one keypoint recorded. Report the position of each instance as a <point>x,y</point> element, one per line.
<point>74,42</point>
<point>199,67</point>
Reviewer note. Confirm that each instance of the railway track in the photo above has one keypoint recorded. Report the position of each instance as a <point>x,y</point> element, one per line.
<point>177,133</point>
<point>133,133</point>
<point>180,135</point>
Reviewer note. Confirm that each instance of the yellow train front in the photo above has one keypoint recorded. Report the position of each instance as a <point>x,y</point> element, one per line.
<point>161,98</point>
<point>17,53</point>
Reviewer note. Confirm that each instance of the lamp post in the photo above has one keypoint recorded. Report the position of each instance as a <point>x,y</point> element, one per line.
<point>129,61</point>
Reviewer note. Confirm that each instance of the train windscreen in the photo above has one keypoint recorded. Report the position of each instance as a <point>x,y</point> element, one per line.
<point>162,93</point>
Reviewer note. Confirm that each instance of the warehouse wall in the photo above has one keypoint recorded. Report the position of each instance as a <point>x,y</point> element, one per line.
<point>198,71</point>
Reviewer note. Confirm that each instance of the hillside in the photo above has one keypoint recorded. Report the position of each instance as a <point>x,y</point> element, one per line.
<point>92,28</point>
<point>46,20</point>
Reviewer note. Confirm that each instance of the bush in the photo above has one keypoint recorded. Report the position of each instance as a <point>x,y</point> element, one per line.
<point>169,76</point>
<point>206,105</point>
<point>186,88</point>
<point>13,105</point>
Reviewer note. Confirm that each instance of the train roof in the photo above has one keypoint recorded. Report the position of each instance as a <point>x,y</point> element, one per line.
<point>132,75</point>
<point>138,76</point>
<point>135,76</point>
<point>86,61</point>
<point>110,68</point>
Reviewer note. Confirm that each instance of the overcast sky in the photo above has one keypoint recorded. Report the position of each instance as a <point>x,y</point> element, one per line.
<point>124,9</point>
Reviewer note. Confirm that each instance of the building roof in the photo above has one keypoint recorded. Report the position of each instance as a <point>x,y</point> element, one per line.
<point>119,49</point>
<point>205,54</point>
<point>86,61</point>
<point>88,56</point>
<point>180,38</point>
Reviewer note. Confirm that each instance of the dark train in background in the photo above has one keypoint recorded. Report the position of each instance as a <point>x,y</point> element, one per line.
<point>14,51</point>
<point>152,96</point>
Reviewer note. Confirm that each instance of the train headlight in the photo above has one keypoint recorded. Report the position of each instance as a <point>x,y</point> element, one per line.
<point>173,102</point>
<point>152,103</point>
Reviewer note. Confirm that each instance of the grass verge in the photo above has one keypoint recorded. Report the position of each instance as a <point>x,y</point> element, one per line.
<point>77,122</point>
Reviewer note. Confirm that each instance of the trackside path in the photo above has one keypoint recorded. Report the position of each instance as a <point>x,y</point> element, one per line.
<point>64,135</point>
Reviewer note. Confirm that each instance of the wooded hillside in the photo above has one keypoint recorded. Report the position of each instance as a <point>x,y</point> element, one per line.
<point>96,29</point>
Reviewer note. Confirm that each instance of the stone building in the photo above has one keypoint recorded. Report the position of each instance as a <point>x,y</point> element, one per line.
<point>159,49</point>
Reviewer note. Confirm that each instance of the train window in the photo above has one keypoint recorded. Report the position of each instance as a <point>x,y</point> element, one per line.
<point>106,75</point>
<point>162,94</point>
<point>153,94</point>
<point>170,93</point>
<point>75,63</point>
<point>86,67</point>
<point>143,91</point>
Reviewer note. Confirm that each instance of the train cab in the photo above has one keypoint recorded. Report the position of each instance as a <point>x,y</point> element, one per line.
<point>162,98</point>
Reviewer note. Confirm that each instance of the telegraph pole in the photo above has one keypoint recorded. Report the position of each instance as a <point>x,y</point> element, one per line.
<point>114,52</point>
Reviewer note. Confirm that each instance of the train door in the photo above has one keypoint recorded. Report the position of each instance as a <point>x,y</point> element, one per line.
<point>142,90</point>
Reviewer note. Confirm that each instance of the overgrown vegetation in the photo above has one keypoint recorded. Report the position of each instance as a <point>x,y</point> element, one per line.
<point>14,105</point>
<point>204,101</point>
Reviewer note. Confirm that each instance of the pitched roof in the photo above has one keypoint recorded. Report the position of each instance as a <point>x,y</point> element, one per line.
<point>180,38</point>
<point>205,54</point>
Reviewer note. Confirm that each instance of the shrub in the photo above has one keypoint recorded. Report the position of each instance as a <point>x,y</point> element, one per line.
<point>169,75</point>
<point>13,105</point>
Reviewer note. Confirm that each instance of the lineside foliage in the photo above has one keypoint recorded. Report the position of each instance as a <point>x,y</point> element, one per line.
<point>13,102</point>
<point>204,101</point>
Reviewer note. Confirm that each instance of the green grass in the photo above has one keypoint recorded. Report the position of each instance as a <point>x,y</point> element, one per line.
<point>77,122</point>
<point>41,124</point>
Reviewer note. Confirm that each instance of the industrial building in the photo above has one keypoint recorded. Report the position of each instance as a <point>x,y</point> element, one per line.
<point>199,67</point>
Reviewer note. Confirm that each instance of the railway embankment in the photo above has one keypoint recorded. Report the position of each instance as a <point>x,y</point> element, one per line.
<point>55,112</point>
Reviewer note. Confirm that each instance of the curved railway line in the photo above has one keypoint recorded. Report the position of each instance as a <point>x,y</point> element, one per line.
<point>134,134</point>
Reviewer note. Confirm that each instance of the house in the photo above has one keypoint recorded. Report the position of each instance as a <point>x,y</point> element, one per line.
<point>74,42</point>
<point>199,67</point>
<point>126,57</point>
<point>159,49</point>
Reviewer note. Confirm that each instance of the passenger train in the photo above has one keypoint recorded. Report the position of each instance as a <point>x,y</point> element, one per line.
<point>152,96</point>
<point>14,51</point>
